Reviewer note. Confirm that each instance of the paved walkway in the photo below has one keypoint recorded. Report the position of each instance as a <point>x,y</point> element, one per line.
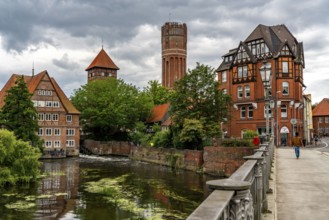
<point>301,187</point>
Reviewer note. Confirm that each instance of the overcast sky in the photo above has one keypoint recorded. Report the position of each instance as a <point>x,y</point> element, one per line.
<point>64,36</point>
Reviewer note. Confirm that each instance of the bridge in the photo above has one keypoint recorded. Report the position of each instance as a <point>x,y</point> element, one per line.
<point>272,185</point>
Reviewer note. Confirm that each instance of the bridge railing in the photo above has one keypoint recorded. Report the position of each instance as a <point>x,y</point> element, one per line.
<point>243,194</point>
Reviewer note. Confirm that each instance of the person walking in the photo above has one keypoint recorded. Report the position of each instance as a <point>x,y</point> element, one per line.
<point>297,143</point>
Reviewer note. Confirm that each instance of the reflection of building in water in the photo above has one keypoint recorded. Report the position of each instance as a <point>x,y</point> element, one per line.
<point>59,190</point>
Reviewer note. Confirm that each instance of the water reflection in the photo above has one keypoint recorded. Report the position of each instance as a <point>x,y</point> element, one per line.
<point>127,190</point>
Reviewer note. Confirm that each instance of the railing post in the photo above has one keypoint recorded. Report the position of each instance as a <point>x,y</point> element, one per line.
<point>259,184</point>
<point>265,176</point>
<point>241,205</point>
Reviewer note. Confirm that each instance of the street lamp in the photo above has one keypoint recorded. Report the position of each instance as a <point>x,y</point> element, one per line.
<point>266,75</point>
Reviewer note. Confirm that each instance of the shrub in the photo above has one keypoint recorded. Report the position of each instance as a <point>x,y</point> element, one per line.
<point>18,160</point>
<point>249,134</point>
<point>237,143</point>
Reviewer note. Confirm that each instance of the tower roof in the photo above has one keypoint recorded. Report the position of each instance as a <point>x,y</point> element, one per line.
<point>102,60</point>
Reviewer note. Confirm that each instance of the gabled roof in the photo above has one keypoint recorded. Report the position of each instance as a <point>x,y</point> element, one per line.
<point>274,36</point>
<point>159,113</point>
<point>32,83</point>
<point>322,108</point>
<point>102,60</point>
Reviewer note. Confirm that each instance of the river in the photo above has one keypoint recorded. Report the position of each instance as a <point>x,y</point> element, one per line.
<point>90,187</point>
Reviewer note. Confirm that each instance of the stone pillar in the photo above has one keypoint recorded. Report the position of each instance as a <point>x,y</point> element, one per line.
<point>265,177</point>
<point>259,184</point>
<point>241,205</point>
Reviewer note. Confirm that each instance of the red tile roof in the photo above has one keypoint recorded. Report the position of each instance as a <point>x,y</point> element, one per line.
<point>322,108</point>
<point>102,60</point>
<point>158,113</point>
<point>32,84</point>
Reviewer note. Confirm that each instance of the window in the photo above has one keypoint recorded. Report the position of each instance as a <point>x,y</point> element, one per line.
<point>40,115</point>
<point>48,131</point>
<point>69,118</point>
<point>55,117</point>
<point>242,72</point>
<point>284,111</point>
<point>57,143</point>
<point>224,91</point>
<point>243,112</point>
<point>285,88</point>
<point>70,143</point>
<point>48,117</point>
<point>320,119</point>
<point>48,144</point>
<point>285,67</point>
<point>224,78</point>
<point>41,103</point>
<point>40,132</point>
<point>269,111</point>
<point>70,132</point>
<point>35,103</point>
<point>250,112</point>
<point>247,91</point>
<point>49,103</point>
<point>326,119</point>
<point>55,104</point>
<point>240,93</point>
<point>245,71</point>
<point>57,131</point>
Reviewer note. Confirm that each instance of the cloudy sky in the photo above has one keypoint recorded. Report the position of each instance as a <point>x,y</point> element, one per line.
<point>64,36</point>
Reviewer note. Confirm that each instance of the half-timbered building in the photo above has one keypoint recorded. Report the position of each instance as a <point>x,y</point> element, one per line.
<point>275,50</point>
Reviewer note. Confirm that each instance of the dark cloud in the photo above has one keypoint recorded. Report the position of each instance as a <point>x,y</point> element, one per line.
<point>131,31</point>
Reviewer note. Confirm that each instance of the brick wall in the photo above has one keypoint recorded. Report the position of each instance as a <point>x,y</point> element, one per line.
<point>108,148</point>
<point>223,161</point>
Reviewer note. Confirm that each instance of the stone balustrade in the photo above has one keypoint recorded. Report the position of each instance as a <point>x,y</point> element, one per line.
<point>243,194</point>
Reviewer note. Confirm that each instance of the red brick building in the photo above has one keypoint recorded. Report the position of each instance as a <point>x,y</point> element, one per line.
<point>276,50</point>
<point>102,67</point>
<point>174,42</point>
<point>321,118</point>
<point>58,118</point>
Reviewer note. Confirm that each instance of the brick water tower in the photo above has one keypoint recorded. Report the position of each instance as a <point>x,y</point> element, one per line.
<point>174,41</point>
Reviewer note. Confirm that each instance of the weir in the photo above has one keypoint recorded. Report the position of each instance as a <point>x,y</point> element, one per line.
<point>243,194</point>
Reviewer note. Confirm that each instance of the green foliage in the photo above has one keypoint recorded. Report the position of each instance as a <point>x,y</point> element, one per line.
<point>109,107</point>
<point>19,115</point>
<point>160,95</point>
<point>162,139</point>
<point>197,96</point>
<point>192,134</point>
<point>249,134</point>
<point>18,160</point>
<point>237,143</point>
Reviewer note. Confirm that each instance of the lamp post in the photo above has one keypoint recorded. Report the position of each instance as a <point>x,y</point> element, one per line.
<point>266,75</point>
<point>277,116</point>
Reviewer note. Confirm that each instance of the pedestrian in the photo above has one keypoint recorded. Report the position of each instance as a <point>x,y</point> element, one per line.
<point>297,143</point>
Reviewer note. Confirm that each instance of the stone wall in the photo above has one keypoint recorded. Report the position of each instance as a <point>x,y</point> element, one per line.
<point>218,161</point>
<point>108,148</point>
<point>223,161</point>
<point>184,159</point>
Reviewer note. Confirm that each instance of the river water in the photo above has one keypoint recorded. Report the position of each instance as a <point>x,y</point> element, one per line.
<point>99,188</point>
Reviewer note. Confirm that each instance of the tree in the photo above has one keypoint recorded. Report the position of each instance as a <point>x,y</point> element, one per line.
<point>159,94</point>
<point>197,96</point>
<point>110,108</point>
<point>192,134</point>
<point>19,161</point>
<point>19,115</point>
